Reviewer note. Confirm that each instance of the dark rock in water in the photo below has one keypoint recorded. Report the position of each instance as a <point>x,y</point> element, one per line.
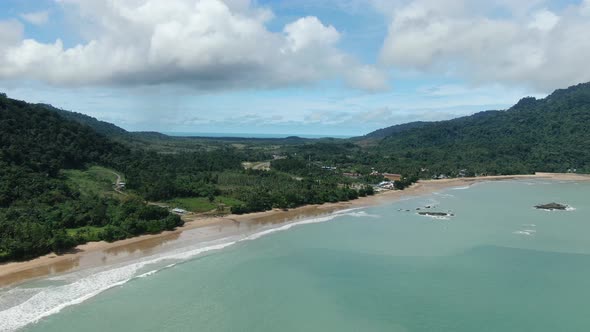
<point>436,214</point>
<point>417,209</point>
<point>552,206</point>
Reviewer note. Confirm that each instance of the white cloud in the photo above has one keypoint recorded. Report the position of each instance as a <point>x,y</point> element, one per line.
<point>544,20</point>
<point>367,78</point>
<point>207,44</point>
<point>11,33</point>
<point>309,32</point>
<point>36,18</point>
<point>526,45</point>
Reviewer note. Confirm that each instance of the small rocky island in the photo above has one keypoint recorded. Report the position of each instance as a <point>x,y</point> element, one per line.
<point>436,214</point>
<point>552,207</point>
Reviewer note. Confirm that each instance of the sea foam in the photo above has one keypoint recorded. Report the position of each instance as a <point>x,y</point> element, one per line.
<point>460,188</point>
<point>363,214</point>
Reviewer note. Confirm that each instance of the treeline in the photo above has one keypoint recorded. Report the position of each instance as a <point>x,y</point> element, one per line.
<point>163,176</point>
<point>405,182</point>
<point>41,226</point>
<point>272,189</point>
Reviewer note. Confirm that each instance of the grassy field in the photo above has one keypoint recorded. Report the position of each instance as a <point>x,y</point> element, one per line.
<point>258,165</point>
<point>202,204</point>
<point>90,233</point>
<point>95,180</point>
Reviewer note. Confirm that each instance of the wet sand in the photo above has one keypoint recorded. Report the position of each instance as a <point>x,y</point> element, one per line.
<point>201,229</point>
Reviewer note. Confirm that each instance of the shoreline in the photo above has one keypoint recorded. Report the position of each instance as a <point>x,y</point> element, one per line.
<point>203,229</point>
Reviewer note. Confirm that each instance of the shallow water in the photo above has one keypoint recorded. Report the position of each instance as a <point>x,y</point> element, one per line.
<point>497,265</point>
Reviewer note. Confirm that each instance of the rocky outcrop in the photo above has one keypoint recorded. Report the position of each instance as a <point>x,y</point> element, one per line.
<point>436,214</point>
<point>552,207</point>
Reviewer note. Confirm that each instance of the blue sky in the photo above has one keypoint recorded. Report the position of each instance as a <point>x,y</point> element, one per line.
<point>324,67</point>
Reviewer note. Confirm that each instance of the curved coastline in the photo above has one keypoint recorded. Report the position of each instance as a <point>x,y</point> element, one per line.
<point>206,229</point>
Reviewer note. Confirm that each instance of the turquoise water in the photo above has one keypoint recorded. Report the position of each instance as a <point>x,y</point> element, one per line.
<point>497,265</point>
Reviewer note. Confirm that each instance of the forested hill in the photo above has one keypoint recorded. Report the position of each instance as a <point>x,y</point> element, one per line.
<point>551,134</point>
<point>102,127</point>
<point>40,206</point>
<point>384,132</point>
<point>38,140</point>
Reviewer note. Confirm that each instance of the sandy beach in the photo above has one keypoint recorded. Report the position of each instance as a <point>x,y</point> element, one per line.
<point>201,229</point>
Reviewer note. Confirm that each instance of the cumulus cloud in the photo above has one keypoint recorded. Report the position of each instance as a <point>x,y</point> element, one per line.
<point>36,18</point>
<point>309,32</point>
<point>515,42</point>
<point>544,20</point>
<point>207,44</point>
<point>11,32</point>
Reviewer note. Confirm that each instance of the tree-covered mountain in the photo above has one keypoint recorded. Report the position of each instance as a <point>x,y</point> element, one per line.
<point>400,128</point>
<point>38,205</point>
<point>36,140</point>
<point>551,134</point>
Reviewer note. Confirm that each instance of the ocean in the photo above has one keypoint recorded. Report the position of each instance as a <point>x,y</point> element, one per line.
<point>497,264</point>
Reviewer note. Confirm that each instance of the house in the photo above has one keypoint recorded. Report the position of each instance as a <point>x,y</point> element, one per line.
<point>388,176</point>
<point>352,175</point>
<point>179,211</point>
<point>392,177</point>
<point>389,185</point>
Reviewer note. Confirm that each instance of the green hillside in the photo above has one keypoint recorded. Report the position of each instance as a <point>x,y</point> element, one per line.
<point>45,189</point>
<point>551,134</point>
<point>101,127</point>
<point>392,130</point>
<point>94,181</point>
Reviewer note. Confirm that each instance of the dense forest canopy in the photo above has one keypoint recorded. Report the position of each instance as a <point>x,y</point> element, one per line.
<point>388,131</point>
<point>37,204</point>
<point>551,134</point>
<point>101,127</point>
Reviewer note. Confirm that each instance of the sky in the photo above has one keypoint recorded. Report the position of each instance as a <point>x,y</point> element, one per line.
<point>308,67</point>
